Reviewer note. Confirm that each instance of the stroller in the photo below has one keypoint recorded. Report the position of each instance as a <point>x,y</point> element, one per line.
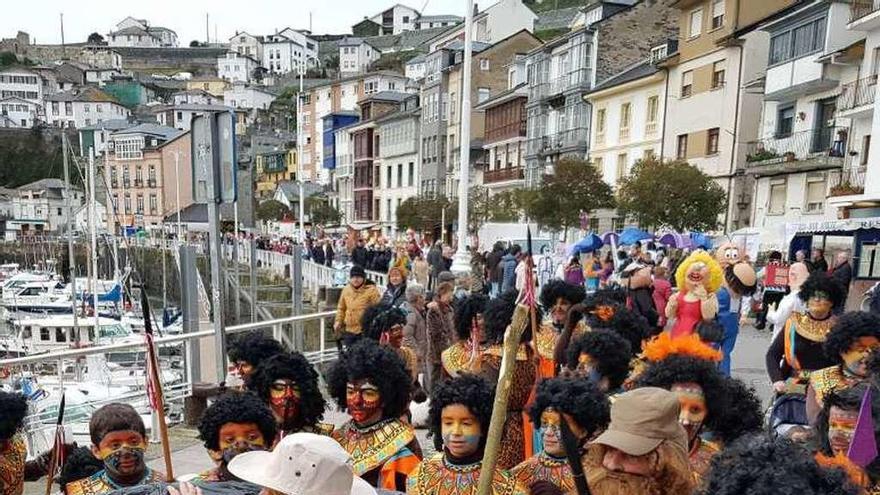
<point>787,417</point>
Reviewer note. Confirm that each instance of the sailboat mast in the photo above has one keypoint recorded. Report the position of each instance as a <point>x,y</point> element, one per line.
<point>93,216</point>
<point>68,194</point>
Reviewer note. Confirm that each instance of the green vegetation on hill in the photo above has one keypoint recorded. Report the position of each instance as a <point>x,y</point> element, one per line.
<point>395,61</point>
<point>539,6</point>
<point>26,156</point>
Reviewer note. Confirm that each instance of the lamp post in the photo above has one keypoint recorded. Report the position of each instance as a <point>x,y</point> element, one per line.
<point>299,155</point>
<point>461,262</point>
<point>177,174</point>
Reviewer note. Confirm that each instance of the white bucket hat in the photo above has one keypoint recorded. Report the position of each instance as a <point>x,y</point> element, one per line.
<point>302,464</point>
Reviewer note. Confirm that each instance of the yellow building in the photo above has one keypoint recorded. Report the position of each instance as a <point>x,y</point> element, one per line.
<point>213,85</point>
<point>272,168</point>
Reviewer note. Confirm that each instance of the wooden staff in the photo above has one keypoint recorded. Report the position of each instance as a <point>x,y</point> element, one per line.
<point>155,391</point>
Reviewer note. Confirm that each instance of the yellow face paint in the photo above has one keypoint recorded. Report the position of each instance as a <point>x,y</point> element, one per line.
<point>855,359</point>
<point>461,430</point>
<point>232,434</point>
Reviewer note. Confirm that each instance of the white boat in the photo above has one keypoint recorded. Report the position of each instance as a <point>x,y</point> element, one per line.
<point>57,332</point>
<point>20,279</point>
<point>42,297</point>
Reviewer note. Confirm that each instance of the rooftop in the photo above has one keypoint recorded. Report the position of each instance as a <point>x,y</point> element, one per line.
<point>110,125</point>
<point>633,73</point>
<point>152,130</point>
<point>42,185</point>
<point>393,96</point>
<point>86,94</point>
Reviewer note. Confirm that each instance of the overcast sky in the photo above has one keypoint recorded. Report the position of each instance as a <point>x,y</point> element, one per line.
<point>40,18</point>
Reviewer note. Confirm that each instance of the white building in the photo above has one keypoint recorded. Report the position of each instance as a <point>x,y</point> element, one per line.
<point>44,203</point>
<point>195,97</point>
<point>435,21</point>
<point>493,24</point>
<point>131,32</point>
<point>180,116</point>
<point>397,19</point>
<point>809,134</point>
<point>286,51</point>
<point>355,56</point>
<point>415,68</point>
<point>235,67</point>
<point>302,38</point>
<point>247,44</point>
<point>249,97</point>
<point>398,161</point>
<point>23,113</point>
<point>344,174</point>
<point>83,107</point>
<point>20,82</point>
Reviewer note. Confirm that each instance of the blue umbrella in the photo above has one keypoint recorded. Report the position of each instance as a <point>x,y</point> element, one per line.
<point>632,235</point>
<point>700,240</point>
<point>591,242</point>
<point>610,237</point>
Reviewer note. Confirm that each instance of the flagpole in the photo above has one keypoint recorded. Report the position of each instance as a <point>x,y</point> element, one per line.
<point>158,396</point>
<point>57,447</point>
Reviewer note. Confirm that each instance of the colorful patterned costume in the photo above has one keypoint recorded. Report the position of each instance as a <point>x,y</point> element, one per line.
<point>830,379</point>
<point>436,476</point>
<point>545,345</point>
<point>382,454</point>
<point>100,483</point>
<point>544,467</point>
<point>12,460</point>
<point>700,457</point>
<point>524,373</point>
<point>455,358</point>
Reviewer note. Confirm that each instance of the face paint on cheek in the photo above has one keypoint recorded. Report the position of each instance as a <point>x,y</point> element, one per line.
<point>841,427</point>
<point>125,461</point>
<point>364,403</point>
<point>855,359</point>
<point>693,407</point>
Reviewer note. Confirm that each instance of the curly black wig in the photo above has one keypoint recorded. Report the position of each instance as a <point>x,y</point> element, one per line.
<point>115,416</point>
<point>578,398</point>
<point>80,463</point>
<point>497,317</point>
<point>471,391</point>
<point>380,318</point>
<point>555,289</point>
<point>14,407</point>
<point>610,351</point>
<point>236,407</point>
<point>253,347</point>
<point>293,366</point>
<point>367,360</point>
<point>848,399</point>
<point>710,332</point>
<point>820,282</point>
<point>758,465</point>
<point>733,409</point>
<point>465,311</point>
<point>614,298</point>
<point>631,326</point>
<point>847,329</point>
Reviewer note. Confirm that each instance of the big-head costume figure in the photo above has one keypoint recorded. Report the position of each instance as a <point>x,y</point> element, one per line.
<point>739,280</point>
<point>698,278</point>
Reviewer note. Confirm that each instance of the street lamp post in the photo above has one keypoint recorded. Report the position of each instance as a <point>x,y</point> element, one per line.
<point>299,146</point>
<point>461,262</point>
<point>177,174</point>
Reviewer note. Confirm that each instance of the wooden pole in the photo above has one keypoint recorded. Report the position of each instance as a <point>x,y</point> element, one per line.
<point>159,409</point>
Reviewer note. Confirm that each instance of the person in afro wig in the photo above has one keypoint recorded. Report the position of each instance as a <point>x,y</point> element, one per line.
<point>288,384</point>
<point>586,411</point>
<point>13,451</point>
<point>602,304</point>
<point>853,339</point>
<point>237,422</point>
<point>557,299</point>
<point>709,401</point>
<point>371,383</point>
<point>384,324</point>
<point>249,349</point>
<point>603,357</point>
<point>461,410</point>
<point>758,465</point>
<point>469,328</point>
<point>835,426</point>
<point>632,327</point>
<point>799,346</point>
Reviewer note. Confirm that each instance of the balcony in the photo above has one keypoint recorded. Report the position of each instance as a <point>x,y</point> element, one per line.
<point>151,182</point>
<point>560,142</point>
<point>506,131</point>
<point>503,175</point>
<point>138,183</point>
<point>863,15</point>
<point>804,151</point>
<point>851,181</point>
<point>574,80</point>
<point>857,98</point>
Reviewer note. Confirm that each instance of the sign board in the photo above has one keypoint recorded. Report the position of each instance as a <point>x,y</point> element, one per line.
<point>214,160</point>
<point>776,275</point>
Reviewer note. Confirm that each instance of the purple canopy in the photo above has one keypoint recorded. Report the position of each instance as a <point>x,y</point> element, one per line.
<point>610,238</point>
<point>676,240</point>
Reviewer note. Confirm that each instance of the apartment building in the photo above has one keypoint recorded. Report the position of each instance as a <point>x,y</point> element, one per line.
<point>491,25</point>
<point>131,32</point>
<point>343,176</point>
<point>489,76</point>
<point>397,160</point>
<point>83,107</point>
<point>355,56</point>
<point>274,167</point>
<point>247,44</point>
<point>812,127</point>
<point>23,86</point>
<point>42,205</point>
<point>235,67</point>
<point>395,20</point>
<point>147,170</point>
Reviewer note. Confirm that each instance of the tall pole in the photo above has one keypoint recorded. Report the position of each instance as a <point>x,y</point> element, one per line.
<point>461,263</point>
<point>237,300</point>
<point>93,215</point>
<point>299,154</point>
<point>111,213</point>
<point>63,49</point>
<point>177,174</point>
<point>70,251</point>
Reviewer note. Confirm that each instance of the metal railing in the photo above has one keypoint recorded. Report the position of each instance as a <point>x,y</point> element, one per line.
<point>861,8</point>
<point>504,174</point>
<point>560,141</point>
<point>575,79</point>
<point>857,93</point>
<point>826,144</point>
<point>851,180</point>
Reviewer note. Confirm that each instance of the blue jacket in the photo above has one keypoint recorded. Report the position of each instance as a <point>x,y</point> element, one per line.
<point>508,272</point>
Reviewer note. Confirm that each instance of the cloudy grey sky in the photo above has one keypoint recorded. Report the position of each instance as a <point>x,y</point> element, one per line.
<point>40,18</point>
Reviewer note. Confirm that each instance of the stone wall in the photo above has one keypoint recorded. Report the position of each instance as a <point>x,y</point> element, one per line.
<point>628,36</point>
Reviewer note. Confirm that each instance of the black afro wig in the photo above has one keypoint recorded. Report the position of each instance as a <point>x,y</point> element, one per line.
<point>734,410</point>
<point>253,347</point>
<point>381,318</point>
<point>614,298</point>
<point>80,463</point>
<point>497,317</point>
<point>758,465</point>
<point>578,398</point>
<point>471,391</point>
<point>465,311</point>
<point>236,407</point>
<point>847,329</point>
<point>292,366</point>
<point>14,407</point>
<point>610,352</point>
<point>555,289</point>
<point>820,282</point>
<point>848,399</point>
<point>631,326</point>
<point>367,360</point>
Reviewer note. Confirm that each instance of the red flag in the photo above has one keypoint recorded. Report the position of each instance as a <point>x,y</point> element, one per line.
<point>153,388</point>
<point>57,457</point>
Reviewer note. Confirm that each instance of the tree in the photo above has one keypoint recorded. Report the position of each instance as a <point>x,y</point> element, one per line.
<point>671,194</point>
<point>95,39</point>
<point>575,186</point>
<point>425,213</point>
<point>7,58</point>
<point>502,207</point>
<point>272,210</point>
<point>321,212</point>
<point>196,44</point>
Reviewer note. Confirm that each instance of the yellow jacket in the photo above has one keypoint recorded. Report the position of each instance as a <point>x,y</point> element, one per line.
<point>352,304</point>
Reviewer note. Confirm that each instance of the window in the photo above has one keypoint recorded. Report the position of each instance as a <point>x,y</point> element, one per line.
<point>798,41</point>
<point>866,149</point>
<point>718,71</point>
<point>653,113</point>
<point>484,64</point>
<point>696,23</point>
<point>625,115</point>
<point>68,108</point>
<point>44,333</point>
<point>681,149</point>
<point>482,94</point>
<point>154,204</point>
<point>712,141</point>
<point>621,166</point>
<point>86,108</point>
<point>411,174</point>
<point>687,83</point>
<point>600,125</point>
<point>776,204</point>
<point>815,194</point>
<point>399,175</point>
<point>717,14</point>
<point>388,177</point>
<point>388,209</point>
<point>784,121</point>
<point>869,261</point>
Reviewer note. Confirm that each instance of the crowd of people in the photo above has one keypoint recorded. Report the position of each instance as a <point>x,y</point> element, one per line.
<point>619,384</point>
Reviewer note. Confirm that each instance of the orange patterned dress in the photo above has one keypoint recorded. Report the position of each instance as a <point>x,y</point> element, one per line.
<point>525,372</point>
<point>12,457</point>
